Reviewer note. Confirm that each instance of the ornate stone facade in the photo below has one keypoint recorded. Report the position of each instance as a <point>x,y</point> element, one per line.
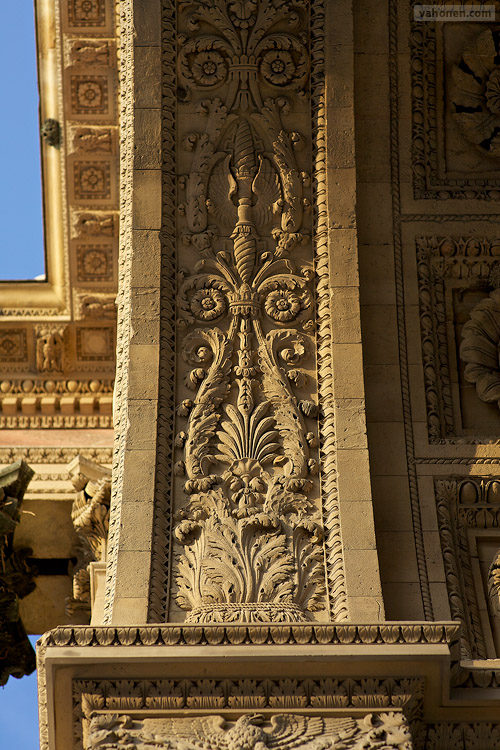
<point>55,372</point>
<point>302,547</point>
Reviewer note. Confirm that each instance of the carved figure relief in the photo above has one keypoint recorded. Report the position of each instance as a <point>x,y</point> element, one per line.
<point>476,96</point>
<point>251,530</point>
<point>90,517</point>
<point>49,350</point>
<point>93,139</point>
<point>251,732</point>
<point>94,225</point>
<point>88,52</point>
<point>95,305</point>
<point>480,348</point>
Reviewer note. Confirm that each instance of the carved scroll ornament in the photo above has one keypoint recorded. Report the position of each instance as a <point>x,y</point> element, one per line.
<point>250,732</point>
<point>251,533</point>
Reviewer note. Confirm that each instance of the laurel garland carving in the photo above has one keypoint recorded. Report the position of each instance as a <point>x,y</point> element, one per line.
<point>251,534</point>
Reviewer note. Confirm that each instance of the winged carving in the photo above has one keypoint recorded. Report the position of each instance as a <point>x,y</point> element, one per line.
<point>249,529</point>
<point>250,732</point>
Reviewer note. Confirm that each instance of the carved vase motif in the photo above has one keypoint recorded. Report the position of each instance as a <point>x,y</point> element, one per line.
<point>250,532</point>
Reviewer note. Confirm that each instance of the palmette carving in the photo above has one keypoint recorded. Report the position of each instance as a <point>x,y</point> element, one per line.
<point>250,732</point>
<point>251,534</point>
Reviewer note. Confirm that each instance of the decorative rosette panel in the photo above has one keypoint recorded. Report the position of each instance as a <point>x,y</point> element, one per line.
<point>247,516</point>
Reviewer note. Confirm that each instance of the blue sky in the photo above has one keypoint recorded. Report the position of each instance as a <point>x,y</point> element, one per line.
<point>21,253</point>
<point>21,257</point>
<point>19,712</point>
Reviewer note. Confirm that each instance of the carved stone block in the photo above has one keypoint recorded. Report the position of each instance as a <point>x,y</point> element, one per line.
<point>13,345</point>
<point>94,263</point>
<point>94,343</point>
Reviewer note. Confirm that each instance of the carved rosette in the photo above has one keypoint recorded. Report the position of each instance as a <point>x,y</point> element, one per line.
<point>249,527</point>
<point>476,92</point>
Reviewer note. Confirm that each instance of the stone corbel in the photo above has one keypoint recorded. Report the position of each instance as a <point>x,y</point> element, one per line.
<point>17,656</point>
<point>90,516</point>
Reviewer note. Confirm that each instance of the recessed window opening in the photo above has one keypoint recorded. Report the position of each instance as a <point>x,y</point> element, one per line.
<point>22,253</point>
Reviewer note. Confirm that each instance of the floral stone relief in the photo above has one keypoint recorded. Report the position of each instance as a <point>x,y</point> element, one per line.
<point>249,531</point>
<point>480,348</point>
<point>476,92</point>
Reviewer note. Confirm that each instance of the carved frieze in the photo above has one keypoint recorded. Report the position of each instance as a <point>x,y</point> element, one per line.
<point>249,531</point>
<point>279,731</point>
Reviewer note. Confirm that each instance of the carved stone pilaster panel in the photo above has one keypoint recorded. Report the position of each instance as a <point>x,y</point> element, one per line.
<point>247,506</point>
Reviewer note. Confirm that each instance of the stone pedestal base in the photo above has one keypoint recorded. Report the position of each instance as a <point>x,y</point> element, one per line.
<point>256,686</point>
